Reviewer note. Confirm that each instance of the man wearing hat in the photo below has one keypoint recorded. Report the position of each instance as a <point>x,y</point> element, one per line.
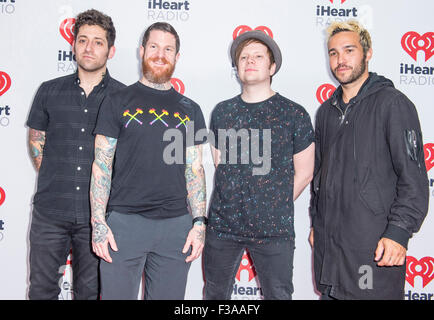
<point>254,209</point>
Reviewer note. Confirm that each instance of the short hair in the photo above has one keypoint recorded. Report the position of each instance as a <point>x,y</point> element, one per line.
<point>353,26</point>
<point>245,43</point>
<point>162,26</point>
<point>94,17</point>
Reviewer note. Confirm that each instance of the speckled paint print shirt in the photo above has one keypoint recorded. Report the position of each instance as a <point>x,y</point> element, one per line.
<point>252,207</point>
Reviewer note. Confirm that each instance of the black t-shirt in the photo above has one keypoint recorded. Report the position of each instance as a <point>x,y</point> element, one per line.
<point>245,206</point>
<point>145,179</point>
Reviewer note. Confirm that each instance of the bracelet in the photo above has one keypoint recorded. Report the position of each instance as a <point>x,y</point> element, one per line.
<point>201,219</point>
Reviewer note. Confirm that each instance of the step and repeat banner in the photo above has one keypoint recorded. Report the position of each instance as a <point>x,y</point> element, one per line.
<point>35,45</point>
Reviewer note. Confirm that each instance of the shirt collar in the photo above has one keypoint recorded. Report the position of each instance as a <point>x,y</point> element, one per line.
<point>104,82</point>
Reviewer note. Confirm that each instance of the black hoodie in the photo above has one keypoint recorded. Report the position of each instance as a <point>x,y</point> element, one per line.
<point>370,182</point>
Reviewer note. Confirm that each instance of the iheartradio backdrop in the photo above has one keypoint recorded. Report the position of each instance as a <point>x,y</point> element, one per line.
<point>35,45</point>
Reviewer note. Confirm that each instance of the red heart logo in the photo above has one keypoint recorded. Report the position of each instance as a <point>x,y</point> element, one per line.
<point>243,28</point>
<point>246,264</point>
<point>342,1</point>
<point>423,268</point>
<point>412,42</point>
<point>67,29</point>
<point>5,82</point>
<point>178,85</point>
<point>2,196</point>
<point>324,92</point>
<point>428,150</point>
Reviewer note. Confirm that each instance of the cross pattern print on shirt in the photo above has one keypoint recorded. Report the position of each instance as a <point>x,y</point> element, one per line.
<point>159,117</point>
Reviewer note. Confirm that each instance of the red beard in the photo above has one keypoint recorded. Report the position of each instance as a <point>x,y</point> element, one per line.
<point>157,74</point>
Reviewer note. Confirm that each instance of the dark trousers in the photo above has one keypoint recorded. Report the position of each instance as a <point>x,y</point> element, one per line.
<point>50,243</point>
<point>273,263</point>
<point>326,295</point>
<point>152,246</point>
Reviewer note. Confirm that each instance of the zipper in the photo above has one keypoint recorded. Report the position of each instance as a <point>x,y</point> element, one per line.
<point>342,119</point>
<point>343,114</point>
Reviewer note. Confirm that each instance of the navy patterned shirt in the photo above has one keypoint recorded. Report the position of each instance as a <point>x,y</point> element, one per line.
<point>249,206</point>
<point>68,117</point>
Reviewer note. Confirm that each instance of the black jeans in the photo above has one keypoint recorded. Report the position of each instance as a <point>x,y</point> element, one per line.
<point>50,243</point>
<point>273,262</point>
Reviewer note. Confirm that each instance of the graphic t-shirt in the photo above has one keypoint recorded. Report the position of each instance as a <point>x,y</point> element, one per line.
<point>151,130</point>
<point>248,206</point>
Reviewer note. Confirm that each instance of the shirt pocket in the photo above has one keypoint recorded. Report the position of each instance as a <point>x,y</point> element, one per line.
<point>370,194</point>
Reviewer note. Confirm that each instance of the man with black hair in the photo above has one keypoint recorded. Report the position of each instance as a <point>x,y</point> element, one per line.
<point>61,143</point>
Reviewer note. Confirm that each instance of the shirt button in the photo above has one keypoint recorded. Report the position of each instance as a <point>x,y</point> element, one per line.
<point>82,129</point>
<point>77,188</point>
<point>82,93</point>
<point>80,148</point>
<point>85,110</point>
<point>78,168</point>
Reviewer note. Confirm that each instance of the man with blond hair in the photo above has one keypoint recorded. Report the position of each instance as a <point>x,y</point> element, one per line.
<point>370,189</point>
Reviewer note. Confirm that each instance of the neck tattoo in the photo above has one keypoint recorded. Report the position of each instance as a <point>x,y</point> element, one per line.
<point>158,86</point>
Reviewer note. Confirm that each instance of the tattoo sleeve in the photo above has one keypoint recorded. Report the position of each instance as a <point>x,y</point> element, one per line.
<point>36,146</point>
<point>195,178</point>
<point>100,184</point>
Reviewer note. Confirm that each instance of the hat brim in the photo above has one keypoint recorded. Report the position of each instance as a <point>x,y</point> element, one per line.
<point>259,35</point>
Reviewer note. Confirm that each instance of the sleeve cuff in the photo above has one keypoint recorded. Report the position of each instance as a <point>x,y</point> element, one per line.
<point>397,234</point>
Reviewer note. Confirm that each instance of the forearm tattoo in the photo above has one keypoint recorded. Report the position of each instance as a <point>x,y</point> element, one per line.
<point>195,178</point>
<point>200,235</point>
<point>100,184</point>
<point>36,146</point>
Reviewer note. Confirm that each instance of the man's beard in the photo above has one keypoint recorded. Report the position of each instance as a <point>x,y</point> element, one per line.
<point>157,75</point>
<point>356,73</point>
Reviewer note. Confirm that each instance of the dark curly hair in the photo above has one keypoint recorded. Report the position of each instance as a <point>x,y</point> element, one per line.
<point>94,17</point>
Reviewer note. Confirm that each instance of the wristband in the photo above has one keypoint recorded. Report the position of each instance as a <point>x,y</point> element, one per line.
<point>201,219</point>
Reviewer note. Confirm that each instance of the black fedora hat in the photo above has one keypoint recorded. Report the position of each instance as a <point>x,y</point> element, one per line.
<point>262,36</point>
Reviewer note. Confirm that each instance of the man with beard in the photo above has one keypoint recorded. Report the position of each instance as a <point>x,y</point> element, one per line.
<point>370,190</point>
<point>61,121</point>
<point>147,227</point>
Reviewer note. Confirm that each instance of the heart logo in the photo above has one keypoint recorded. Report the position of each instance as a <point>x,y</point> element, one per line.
<point>342,1</point>
<point>5,82</point>
<point>2,196</point>
<point>178,85</point>
<point>423,268</point>
<point>428,150</point>
<point>412,42</point>
<point>66,29</point>
<point>246,264</point>
<point>324,92</point>
<point>243,28</point>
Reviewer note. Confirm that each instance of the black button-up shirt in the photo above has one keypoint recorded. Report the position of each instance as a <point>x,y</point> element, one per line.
<point>68,117</point>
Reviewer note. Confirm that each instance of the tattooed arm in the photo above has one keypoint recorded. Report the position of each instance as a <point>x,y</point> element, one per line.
<point>196,187</point>
<point>100,183</point>
<point>36,146</point>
